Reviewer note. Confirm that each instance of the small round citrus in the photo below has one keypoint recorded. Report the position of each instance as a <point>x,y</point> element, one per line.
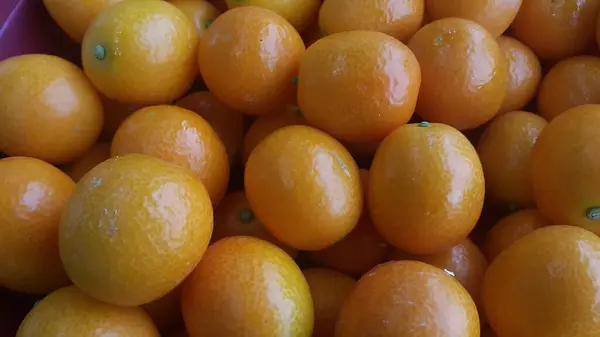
<point>97,154</point>
<point>134,228</point>
<point>300,13</point>
<point>201,12</point>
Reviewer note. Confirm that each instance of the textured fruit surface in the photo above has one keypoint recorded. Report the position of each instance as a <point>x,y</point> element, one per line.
<point>134,228</point>
<point>426,188</point>
<point>141,52</point>
<point>178,136</point>
<point>463,71</point>
<point>300,13</point>
<point>69,312</point>
<point>546,284</point>
<point>97,154</point>
<point>272,299</point>
<point>408,298</point>
<point>305,187</point>
<point>33,195</point>
<point>201,12</point>
<point>365,97</point>
<point>49,109</point>
<point>248,59</point>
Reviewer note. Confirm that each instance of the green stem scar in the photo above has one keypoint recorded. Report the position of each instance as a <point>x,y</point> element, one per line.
<point>424,124</point>
<point>246,215</point>
<point>208,23</point>
<point>295,80</point>
<point>99,52</point>
<point>593,213</point>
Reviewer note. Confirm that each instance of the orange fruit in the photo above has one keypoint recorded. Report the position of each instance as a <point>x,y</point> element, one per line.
<point>408,298</point>
<point>49,109</point>
<point>305,187</point>
<point>141,52</point>
<point>511,228</point>
<point>300,13</point>
<point>564,169</point>
<point>234,217</point>
<point>570,83</point>
<point>505,153</point>
<point>70,312</point>
<point>329,290</point>
<point>426,188</point>
<point>545,284</point>
<point>165,312</point>
<point>33,195</point>
<point>248,59</point>
<point>398,18</point>
<point>523,76</point>
<point>97,154</point>
<point>114,115</point>
<point>134,228</point>
<point>463,85</point>
<point>271,299</point>
<point>227,123</point>
<point>200,12</point>
<point>372,92</point>
<point>495,16</point>
<point>557,29</point>
<point>178,136</point>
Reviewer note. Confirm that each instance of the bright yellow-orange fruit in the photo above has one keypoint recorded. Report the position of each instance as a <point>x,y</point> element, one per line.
<point>271,298</point>
<point>33,195</point>
<point>69,312</point>
<point>97,154</point>
<point>201,12</point>
<point>372,92</point>
<point>305,187</point>
<point>408,298</point>
<point>49,109</point>
<point>300,13</point>
<point>426,188</point>
<point>134,228</point>
<point>546,284</point>
<point>141,52</point>
<point>249,58</point>
<point>165,312</point>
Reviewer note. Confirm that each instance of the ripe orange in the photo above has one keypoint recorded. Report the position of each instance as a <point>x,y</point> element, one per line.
<point>305,187</point>
<point>505,153</point>
<point>372,91</point>
<point>200,12</point>
<point>464,73</point>
<point>329,290</point>
<point>114,115</point>
<point>511,228</point>
<point>33,195</point>
<point>179,136</point>
<point>557,29</point>
<point>570,83</point>
<point>271,299</point>
<point>248,59</point>
<point>49,109</point>
<point>408,298</point>
<point>70,312</point>
<point>300,13</point>
<point>400,19</point>
<point>426,188</point>
<point>165,312</point>
<point>227,123</point>
<point>97,154</point>
<point>546,284</point>
<point>524,73</point>
<point>564,169</point>
<point>141,52</point>
<point>134,228</point>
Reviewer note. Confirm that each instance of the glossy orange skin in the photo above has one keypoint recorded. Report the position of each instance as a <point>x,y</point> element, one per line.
<point>150,52</point>
<point>494,15</point>
<point>464,73</point>
<point>426,188</point>
<point>398,18</point>
<point>505,152</point>
<point>97,154</point>
<point>564,168</point>
<point>178,136</point>
<point>32,197</point>
<point>570,83</point>
<point>248,59</point>
<point>49,109</point>
<point>365,97</point>
<point>408,298</point>
<point>524,73</point>
<point>511,228</point>
<point>329,290</point>
<point>300,13</point>
<point>272,299</point>
<point>557,29</point>
<point>70,312</point>
<point>545,284</point>
<point>201,12</point>
<point>128,218</point>
<point>165,312</point>
<point>305,187</point>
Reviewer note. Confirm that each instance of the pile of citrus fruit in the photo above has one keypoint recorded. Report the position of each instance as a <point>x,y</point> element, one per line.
<point>297,168</point>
